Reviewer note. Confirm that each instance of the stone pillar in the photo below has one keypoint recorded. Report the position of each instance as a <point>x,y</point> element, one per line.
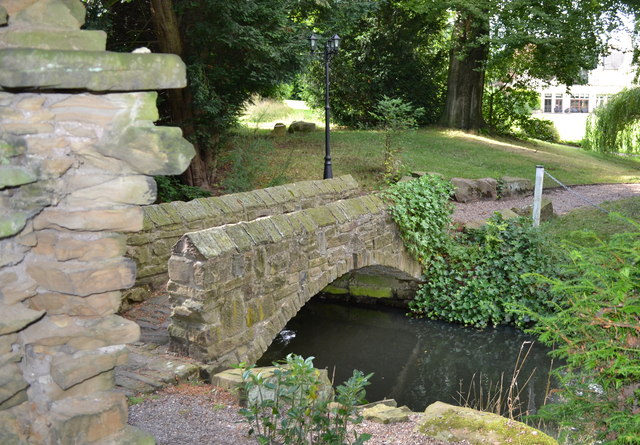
<point>77,151</point>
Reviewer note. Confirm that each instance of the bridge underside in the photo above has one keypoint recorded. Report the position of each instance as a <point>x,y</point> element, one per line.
<point>236,286</point>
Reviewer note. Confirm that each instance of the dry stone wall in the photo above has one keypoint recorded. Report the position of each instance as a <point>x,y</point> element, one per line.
<point>76,155</point>
<point>164,224</point>
<point>235,287</point>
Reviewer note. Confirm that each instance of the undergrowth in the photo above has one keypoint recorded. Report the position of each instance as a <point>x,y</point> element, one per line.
<point>471,277</point>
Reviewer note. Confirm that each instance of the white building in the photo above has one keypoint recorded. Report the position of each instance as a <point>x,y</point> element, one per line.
<point>611,76</point>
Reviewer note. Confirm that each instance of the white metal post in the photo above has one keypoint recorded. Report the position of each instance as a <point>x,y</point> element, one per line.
<point>537,195</point>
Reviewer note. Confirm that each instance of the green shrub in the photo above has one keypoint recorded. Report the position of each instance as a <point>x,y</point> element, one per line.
<point>171,189</point>
<point>542,129</point>
<point>470,277</point>
<point>483,271</point>
<point>394,116</point>
<point>597,334</point>
<point>615,126</point>
<point>290,410</point>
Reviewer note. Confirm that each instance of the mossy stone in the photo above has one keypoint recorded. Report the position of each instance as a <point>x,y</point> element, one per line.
<point>90,70</point>
<point>12,223</point>
<point>11,176</point>
<point>454,423</point>
<point>54,40</point>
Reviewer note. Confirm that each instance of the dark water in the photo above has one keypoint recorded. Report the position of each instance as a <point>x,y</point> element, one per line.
<point>416,362</point>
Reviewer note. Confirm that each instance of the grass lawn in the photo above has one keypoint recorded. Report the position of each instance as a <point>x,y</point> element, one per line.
<point>592,219</point>
<point>451,153</point>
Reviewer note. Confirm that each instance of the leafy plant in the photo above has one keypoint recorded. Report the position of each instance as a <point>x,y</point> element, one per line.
<point>422,210</point>
<point>597,333</point>
<point>171,189</point>
<point>470,277</point>
<point>393,116</point>
<point>289,407</point>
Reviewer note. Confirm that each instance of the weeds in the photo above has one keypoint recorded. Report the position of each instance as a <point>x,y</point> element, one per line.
<point>291,408</point>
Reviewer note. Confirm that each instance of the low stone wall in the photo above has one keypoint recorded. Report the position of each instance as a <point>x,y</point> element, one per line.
<point>235,287</point>
<point>164,224</point>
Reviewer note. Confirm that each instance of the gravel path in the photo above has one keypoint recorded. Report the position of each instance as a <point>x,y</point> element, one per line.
<point>187,414</point>
<point>563,201</point>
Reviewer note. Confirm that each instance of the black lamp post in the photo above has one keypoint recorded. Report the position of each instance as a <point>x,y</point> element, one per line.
<point>331,47</point>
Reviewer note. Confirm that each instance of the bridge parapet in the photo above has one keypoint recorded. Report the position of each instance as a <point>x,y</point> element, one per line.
<point>236,286</point>
<point>165,223</point>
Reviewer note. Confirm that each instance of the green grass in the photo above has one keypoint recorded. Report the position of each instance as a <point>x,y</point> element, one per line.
<point>592,219</point>
<point>451,153</point>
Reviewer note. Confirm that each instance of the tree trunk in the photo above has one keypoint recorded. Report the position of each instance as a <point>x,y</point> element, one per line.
<point>167,28</point>
<point>465,84</point>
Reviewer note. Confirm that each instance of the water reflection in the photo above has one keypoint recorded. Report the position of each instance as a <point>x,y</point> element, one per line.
<point>415,362</point>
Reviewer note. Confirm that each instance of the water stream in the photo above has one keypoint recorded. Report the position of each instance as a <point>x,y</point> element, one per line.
<point>414,361</point>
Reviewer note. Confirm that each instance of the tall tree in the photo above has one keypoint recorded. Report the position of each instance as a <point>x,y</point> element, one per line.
<point>232,49</point>
<point>386,50</point>
<point>552,39</point>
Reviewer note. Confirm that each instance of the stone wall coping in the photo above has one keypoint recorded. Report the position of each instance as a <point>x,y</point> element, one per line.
<point>89,70</point>
<point>222,207</point>
<point>244,236</point>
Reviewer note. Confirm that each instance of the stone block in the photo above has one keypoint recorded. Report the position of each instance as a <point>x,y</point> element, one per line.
<point>456,424</point>
<point>68,370</point>
<point>98,305</point>
<point>81,333</point>
<point>385,414</point>
<point>81,246</point>
<point>87,419</point>
<point>12,430</point>
<point>469,190</point>
<point>16,285</point>
<point>139,190</point>
<point>515,186</point>
<point>150,150</point>
<point>16,317</point>
<point>127,219</point>
<point>279,130</point>
<point>82,279</point>
<point>91,70</point>
<point>12,386</point>
<point>53,39</point>
<point>11,176</point>
<point>12,223</point>
<point>65,14</point>
<point>4,17</point>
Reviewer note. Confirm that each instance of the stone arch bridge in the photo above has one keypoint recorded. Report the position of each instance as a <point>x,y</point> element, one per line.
<point>234,287</point>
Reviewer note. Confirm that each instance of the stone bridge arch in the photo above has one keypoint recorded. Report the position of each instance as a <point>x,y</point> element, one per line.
<point>235,287</point>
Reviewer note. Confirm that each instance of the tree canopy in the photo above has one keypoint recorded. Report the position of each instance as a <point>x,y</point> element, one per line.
<point>518,40</point>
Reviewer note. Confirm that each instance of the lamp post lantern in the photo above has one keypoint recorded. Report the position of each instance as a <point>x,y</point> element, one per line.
<point>331,47</point>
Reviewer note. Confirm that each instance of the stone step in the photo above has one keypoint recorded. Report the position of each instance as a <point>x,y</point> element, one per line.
<point>152,367</point>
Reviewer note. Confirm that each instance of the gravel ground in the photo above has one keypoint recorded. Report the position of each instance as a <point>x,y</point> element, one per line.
<point>187,415</point>
<point>206,415</point>
<point>563,201</point>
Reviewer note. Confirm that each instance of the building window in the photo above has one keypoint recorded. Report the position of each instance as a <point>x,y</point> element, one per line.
<point>601,99</point>
<point>558,104</point>
<point>579,104</point>
<point>548,97</point>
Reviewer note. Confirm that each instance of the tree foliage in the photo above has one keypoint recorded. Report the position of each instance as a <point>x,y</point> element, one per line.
<point>615,126</point>
<point>597,333</point>
<point>536,39</point>
<point>386,50</point>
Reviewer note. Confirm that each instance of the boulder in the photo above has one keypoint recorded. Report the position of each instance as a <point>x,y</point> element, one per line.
<point>455,424</point>
<point>231,380</point>
<point>279,130</point>
<point>468,190</point>
<point>546,210</point>
<point>386,414</point>
<point>512,187</point>
<point>302,127</point>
